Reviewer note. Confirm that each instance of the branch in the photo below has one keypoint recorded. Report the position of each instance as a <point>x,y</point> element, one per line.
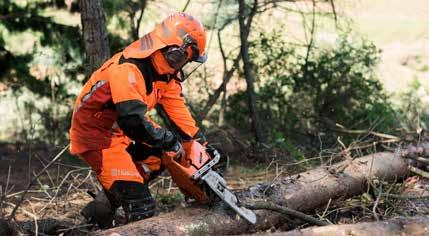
<point>186,5</point>
<point>250,17</point>
<point>310,44</point>
<point>417,171</point>
<point>286,211</point>
<point>334,12</point>
<point>139,20</point>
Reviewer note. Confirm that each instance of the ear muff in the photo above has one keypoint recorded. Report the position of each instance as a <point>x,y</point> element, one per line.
<point>176,57</point>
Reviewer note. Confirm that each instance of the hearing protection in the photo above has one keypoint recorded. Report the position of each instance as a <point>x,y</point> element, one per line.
<point>177,57</point>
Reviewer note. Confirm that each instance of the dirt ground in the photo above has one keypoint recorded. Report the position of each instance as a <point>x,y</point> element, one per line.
<point>56,199</point>
<point>54,203</point>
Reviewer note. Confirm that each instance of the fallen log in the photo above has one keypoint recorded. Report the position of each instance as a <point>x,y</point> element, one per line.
<point>412,226</point>
<point>303,192</point>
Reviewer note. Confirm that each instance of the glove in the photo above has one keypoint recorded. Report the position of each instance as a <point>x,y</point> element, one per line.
<point>176,151</point>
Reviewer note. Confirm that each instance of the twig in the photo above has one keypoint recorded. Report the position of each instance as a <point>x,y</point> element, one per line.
<point>342,129</point>
<point>84,180</point>
<point>4,192</point>
<point>75,227</point>
<point>403,197</point>
<point>23,210</point>
<point>59,186</point>
<point>326,208</point>
<point>30,191</point>
<point>286,211</point>
<point>47,172</point>
<point>186,5</point>
<point>42,186</point>
<point>139,19</point>
<point>12,215</point>
<point>418,171</point>
<point>36,225</point>
<point>334,12</point>
<point>374,208</point>
<point>420,159</point>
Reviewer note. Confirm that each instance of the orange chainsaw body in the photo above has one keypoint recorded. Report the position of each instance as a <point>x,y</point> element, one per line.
<point>182,170</point>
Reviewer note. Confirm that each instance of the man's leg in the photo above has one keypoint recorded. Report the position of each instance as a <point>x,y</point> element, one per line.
<point>122,181</point>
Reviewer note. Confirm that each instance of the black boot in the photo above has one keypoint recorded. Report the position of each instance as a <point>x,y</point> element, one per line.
<point>135,198</point>
<point>100,211</point>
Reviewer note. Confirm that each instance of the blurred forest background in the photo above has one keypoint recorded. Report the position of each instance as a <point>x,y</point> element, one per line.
<point>324,73</point>
<point>289,85</point>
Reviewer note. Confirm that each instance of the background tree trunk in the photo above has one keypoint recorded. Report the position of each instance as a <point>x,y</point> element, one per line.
<point>94,33</point>
<point>247,66</point>
<point>136,20</point>
<point>304,192</point>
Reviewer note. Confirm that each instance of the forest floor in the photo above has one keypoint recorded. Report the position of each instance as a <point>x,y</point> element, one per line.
<point>61,192</point>
<point>54,203</point>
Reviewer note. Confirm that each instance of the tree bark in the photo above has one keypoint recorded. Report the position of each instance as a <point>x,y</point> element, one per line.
<point>413,226</point>
<point>247,66</point>
<point>94,33</point>
<point>303,192</point>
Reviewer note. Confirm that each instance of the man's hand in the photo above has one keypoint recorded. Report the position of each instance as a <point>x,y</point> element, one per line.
<point>176,151</point>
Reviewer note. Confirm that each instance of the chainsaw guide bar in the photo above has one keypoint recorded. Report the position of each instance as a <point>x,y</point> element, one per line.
<point>218,184</point>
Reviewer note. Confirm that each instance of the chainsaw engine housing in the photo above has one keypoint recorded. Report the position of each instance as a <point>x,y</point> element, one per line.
<point>183,170</point>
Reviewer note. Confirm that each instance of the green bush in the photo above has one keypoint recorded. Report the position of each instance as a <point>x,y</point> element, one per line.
<point>411,110</point>
<point>302,96</point>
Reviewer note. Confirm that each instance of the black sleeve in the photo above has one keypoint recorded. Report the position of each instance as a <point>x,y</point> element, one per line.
<point>133,122</point>
<point>199,136</point>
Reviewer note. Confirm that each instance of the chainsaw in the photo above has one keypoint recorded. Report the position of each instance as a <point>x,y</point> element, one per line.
<point>196,176</point>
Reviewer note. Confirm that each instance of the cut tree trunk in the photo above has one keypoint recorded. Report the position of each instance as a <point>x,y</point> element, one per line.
<point>413,226</point>
<point>94,33</point>
<point>305,191</point>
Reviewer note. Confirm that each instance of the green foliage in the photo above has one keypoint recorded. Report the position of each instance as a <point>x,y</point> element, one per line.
<point>301,96</point>
<point>41,75</point>
<point>167,202</point>
<point>122,16</point>
<point>412,112</point>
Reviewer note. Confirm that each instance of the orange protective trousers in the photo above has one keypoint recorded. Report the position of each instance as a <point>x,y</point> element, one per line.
<point>115,163</point>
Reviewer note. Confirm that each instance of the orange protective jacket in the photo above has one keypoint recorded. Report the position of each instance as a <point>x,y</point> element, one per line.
<point>112,105</point>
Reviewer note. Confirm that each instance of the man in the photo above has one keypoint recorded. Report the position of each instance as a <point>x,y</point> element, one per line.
<point>110,129</point>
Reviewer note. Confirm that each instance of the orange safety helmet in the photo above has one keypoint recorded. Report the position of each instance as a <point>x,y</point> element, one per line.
<point>181,30</point>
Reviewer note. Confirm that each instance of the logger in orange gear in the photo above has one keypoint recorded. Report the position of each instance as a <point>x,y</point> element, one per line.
<point>110,129</point>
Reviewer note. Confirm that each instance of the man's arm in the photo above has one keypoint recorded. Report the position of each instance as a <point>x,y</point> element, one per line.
<point>128,90</point>
<point>173,103</point>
